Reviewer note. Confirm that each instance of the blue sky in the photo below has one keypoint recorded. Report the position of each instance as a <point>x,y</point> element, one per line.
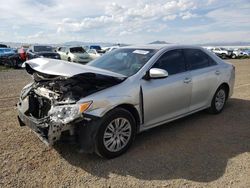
<point>130,21</point>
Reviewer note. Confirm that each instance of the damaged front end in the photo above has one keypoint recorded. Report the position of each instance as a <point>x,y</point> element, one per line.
<point>50,105</point>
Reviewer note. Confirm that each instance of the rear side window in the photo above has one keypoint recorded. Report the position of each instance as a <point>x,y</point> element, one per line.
<point>77,50</point>
<point>173,62</point>
<point>198,59</point>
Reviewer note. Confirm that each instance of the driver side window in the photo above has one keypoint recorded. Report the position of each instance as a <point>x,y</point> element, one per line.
<point>172,61</point>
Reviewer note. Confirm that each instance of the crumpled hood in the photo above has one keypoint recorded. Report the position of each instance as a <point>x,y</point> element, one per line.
<point>64,68</point>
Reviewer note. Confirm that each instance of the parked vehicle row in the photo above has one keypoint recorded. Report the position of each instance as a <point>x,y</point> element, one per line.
<point>83,55</point>
<point>229,53</point>
<point>75,54</point>
<point>15,57</point>
<point>241,53</point>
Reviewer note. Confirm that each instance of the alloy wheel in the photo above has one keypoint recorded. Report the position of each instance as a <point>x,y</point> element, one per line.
<point>117,134</point>
<point>220,99</point>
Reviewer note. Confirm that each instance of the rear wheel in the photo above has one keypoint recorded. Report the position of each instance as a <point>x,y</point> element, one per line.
<point>224,56</point>
<point>218,101</point>
<point>69,59</point>
<point>116,133</point>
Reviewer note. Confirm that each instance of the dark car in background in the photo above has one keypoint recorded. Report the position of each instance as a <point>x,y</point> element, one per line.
<point>5,53</point>
<point>40,51</point>
<point>3,46</point>
<point>9,57</point>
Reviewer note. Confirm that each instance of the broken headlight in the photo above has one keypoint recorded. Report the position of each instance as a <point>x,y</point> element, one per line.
<point>26,90</point>
<point>67,113</point>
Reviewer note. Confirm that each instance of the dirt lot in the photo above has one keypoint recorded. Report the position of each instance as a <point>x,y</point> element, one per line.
<point>202,150</point>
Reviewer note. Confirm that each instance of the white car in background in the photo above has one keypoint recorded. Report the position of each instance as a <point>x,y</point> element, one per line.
<point>222,52</point>
<point>94,53</point>
<point>109,49</point>
<point>237,53</point>
<point>74,54</point>
<point>240,53</point>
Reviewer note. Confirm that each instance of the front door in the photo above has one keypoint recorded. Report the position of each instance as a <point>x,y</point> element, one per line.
<point>167,98</point>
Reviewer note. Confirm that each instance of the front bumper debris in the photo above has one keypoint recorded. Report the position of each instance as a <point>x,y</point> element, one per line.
<point>46,130</point>
<point>82,130</point>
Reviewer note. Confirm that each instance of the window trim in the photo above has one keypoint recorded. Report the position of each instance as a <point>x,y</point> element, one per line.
<point>163,53</point>
<point>208,57</point>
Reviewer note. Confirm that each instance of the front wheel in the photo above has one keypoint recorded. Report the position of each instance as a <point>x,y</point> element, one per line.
<point>218,101</point>
<point>116,133</point>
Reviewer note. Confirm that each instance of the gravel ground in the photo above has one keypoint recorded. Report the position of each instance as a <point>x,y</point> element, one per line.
<point>201,150</point>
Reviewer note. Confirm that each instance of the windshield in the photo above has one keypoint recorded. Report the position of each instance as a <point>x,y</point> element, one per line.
<point>77,50</point>
<point>124,61</point>
<point>95,47</point>
<point>43,49</point>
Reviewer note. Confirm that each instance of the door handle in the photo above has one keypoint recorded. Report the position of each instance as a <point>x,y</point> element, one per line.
<point>187,80</point>
<point>217,72</point>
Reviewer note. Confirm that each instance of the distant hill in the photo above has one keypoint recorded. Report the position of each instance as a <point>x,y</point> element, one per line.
<point>159,42</point>
<point>70,43</point>
<point>78,43</point>
<point>226,44</point>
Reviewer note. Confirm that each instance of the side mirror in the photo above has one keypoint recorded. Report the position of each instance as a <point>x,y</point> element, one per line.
<point>67,53</point>
<point>156,73</point>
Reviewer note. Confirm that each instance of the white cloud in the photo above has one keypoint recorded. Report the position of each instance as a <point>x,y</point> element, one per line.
<point>130,21</point>
<point>38,35</point>
<point>231,16</point>
<point>187,15</point>
<point>169,17</point>
<point>125,20</point>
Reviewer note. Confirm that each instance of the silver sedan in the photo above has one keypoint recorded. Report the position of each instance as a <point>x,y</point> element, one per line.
<point>104,104</point>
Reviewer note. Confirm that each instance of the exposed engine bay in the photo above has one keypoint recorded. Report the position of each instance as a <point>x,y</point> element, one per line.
<point>51,101</point>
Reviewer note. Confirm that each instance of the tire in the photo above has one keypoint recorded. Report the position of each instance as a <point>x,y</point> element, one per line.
<point>15,66</point>
<point>69,59</point>
<point>123,134</point>
<point>219,100</point>
<point>234,56</point>
<point>224,56</point>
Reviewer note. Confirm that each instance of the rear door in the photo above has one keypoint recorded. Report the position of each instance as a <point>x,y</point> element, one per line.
<point>205,77</point>
<point>169,97</point>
